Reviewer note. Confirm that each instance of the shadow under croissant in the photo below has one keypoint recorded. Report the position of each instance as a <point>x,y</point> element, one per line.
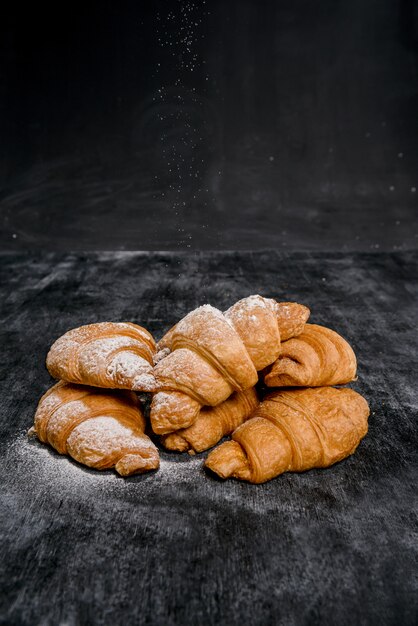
<point>66,458</point>
<point>349,463</point>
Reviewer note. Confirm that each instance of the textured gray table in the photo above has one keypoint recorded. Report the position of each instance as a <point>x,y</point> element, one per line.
<point>336,546</point>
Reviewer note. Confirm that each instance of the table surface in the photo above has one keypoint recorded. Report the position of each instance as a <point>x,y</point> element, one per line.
<point>335,546</point>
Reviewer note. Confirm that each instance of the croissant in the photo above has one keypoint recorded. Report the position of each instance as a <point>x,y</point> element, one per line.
<point>107,354</point>
<point>209,354</point>
<point>293,431</point>
<point>101,429</point>
<point>319,356</point>
<point>213,423</point>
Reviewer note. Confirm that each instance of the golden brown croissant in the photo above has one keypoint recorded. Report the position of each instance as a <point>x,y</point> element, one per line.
<point>209,354</point>
<point>293,431</point>
<point>319,356</point>
<point>101,429</point>
<point>213,423</point>
<point>107,354</point>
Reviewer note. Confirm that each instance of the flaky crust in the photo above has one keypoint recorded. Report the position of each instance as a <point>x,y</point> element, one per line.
<point>100,429</point>
<point>208,355</point>
<point>318,356</point>
<point>213,423</point>
<point>293,430</point>
<point>108,355</point>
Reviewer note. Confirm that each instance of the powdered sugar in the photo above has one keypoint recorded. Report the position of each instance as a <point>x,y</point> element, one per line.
<point>42,470</point>
<point>130,370</point>
<point>64,415</point>
<point>286,309</point>
<point>144,382</point>
<point>243,308</point>
<point>178,468</point>
<point>83,354</point>
<point>214,321</point>
<point>161,354</point>
<point>94,355</point>
<point>104,436</point>
<point>161,400</point>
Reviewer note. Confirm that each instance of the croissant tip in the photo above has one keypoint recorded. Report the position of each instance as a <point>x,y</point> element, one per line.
<point>176,443</point>
<point>212,471</point>
<point>32,432</point>
<point>226,459</point>
<point>131,464</point>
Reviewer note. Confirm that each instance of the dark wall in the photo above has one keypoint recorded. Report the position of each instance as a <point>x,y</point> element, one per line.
<point>234,124</point>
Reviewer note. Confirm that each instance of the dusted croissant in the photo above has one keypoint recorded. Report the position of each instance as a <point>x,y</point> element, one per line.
<point>208,355</point>
<point>101,429</point>
<point>213,423</point>
<point>319,356</point>
<point>107,354</point>
<point>293,431</point>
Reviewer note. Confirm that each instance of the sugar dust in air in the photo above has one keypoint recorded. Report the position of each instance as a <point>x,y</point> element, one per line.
<point>180,110</point>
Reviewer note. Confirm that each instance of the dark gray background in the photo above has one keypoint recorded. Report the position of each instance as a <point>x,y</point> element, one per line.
<point>187,125</point>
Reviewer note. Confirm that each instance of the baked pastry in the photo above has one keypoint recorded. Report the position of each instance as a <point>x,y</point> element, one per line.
<point>319,356</point>
<point>107,354</point>
<point>293,431</point>
<point>101,429</point>
<point>209,354</point>
<point>213,423</point>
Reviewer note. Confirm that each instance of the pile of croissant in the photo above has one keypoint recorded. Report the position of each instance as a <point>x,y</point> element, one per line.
<point>202,376</point>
